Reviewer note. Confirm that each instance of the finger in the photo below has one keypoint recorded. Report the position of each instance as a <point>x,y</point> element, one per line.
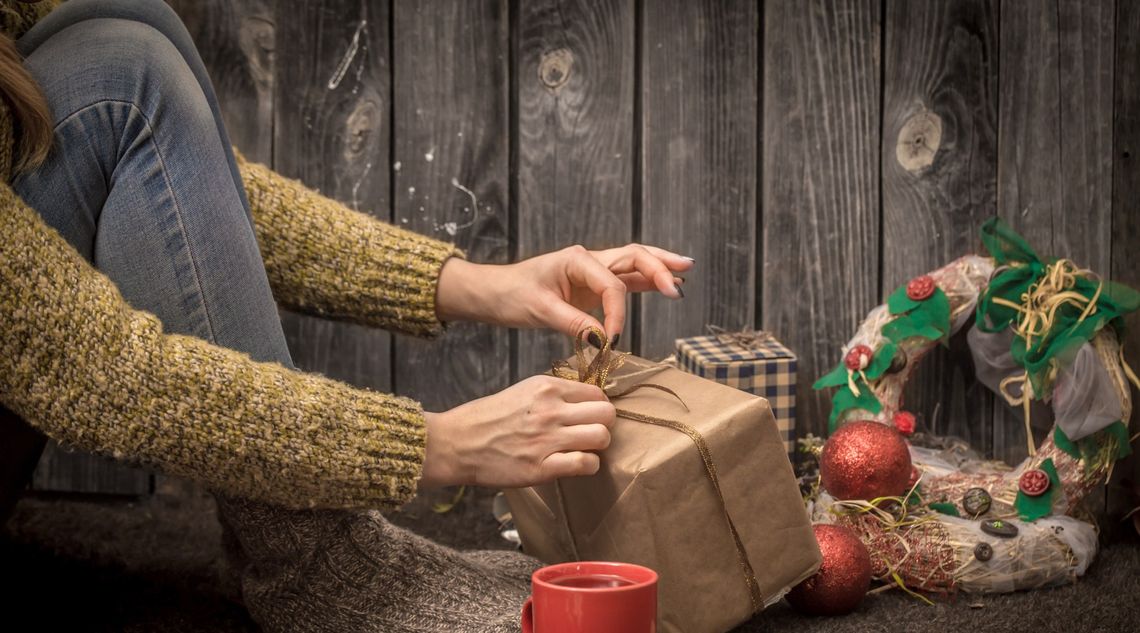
<point>587,271</point>
<point>635,282</point>
<point>575,392</point>
<point>568,319</point>
<point>572,464</point>
<point>636,258</point>
<point>672,260</point>
<point>589,413</point>
<point>584,437</point>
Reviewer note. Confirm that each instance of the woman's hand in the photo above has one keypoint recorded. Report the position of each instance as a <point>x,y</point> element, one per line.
<point>538,430</point>
<point>557,290</point>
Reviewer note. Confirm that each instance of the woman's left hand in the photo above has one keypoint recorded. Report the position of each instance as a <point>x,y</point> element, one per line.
<point>559,289</point>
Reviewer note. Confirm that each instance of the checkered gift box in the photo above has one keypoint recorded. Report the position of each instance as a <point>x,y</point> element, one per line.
<point>766,369</point>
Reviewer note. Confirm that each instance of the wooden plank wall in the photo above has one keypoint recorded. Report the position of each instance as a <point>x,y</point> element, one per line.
<point>811,156</point>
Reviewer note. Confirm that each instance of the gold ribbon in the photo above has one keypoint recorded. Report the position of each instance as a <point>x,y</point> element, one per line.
<point>597,372</point>
<point>1040,302</point>
<point>746,338</point>
<point>1037,313</point>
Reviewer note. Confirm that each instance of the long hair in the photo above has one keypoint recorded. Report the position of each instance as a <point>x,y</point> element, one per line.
<point>31,118</point>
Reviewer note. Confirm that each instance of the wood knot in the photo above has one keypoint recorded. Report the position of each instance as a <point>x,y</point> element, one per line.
<point>919,140</point>
<point>257,41</point>
<point>362,122</point>
<point>554,68</point>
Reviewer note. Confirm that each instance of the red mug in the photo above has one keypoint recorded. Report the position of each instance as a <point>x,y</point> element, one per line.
<point>591,597</point>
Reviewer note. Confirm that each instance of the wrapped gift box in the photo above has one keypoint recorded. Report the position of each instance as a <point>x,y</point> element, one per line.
<point>654,503</point>
<point>762,367</point>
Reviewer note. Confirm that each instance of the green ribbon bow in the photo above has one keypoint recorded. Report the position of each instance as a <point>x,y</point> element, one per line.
<point>1053,307</point>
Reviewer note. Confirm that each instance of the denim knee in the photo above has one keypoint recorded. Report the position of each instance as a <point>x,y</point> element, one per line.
<point>153,13</point>
<point>122,61</point>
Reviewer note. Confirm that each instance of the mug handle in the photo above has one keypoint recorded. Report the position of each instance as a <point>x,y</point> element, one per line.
<point>528,615</point>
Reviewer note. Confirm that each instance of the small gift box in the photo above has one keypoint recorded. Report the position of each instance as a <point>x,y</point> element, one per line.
<point>692,486</point>
<point>750,361</point>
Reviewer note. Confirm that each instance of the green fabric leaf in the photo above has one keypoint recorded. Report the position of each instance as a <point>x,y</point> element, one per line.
<point>1033,508</point>
<point>946,508</point>
<point>844,399</point>
<point>834,378</point>
<point>938,307</point>
<point>904,327</point>
<point>915,498</point>
<point>1120,433</point>
<point>1065,444</point>
<point>880,361</point>
<point>1004,244</point>
<point>899,303</point>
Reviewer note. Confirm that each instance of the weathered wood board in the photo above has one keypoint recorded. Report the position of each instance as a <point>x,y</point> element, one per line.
<point>819,271</point>
<point>575,85</point>
<point>699,152</point>
<point>939,179</point>
<point>451,175</point>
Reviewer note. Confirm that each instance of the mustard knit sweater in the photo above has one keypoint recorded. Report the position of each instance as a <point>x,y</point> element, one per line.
<point>78,363</point>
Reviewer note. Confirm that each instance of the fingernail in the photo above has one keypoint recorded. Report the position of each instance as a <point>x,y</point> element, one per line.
<point>593,339</point>
<point>680,293</point>
<point>615,339</point>
<point>681,278</point>
<point>689,258</point>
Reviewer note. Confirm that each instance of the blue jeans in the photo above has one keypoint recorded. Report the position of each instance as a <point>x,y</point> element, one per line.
<point>141,179</point>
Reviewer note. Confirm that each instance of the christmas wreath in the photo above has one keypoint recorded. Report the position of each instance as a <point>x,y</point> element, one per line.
<point>1045,335</point>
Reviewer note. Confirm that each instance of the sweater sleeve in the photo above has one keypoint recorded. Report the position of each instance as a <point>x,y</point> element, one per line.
<point>326,259</point>
<point>78,363</point>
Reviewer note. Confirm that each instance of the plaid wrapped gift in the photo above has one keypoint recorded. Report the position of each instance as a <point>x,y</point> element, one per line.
<point>764,368</point>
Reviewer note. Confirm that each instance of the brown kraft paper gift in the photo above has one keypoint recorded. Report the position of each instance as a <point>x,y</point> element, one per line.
<point>653,503</point>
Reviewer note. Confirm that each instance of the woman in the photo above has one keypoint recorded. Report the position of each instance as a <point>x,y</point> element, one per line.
<point>143,324</point>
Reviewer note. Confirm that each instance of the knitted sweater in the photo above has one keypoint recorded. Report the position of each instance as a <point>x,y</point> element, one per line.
<point>78,363</point>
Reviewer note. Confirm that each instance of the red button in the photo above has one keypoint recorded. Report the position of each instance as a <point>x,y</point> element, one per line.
<point>858,358</point>
<point>1034,482</point>
<point>920,288</point>
<point>904,422</point>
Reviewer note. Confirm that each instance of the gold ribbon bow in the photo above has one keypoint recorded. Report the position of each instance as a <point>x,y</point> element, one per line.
<point>746,338</point>
<point>597,372</point>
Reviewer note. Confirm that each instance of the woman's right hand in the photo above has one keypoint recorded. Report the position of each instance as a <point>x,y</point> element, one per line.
<point>540,429</point>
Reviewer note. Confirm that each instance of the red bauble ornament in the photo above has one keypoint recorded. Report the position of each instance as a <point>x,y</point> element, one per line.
<point>1034,482</point>
<point>865,460</point>
<point>858,358</point>
<point>843,578</point>
<point>920,288</point>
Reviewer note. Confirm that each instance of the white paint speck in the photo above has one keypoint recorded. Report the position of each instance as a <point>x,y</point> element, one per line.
<point>411,191</point>
<point>430,156</point>
<point>349,55</point>
<point>451,228</point>
<point>397,166</point>
<point>359,181</point>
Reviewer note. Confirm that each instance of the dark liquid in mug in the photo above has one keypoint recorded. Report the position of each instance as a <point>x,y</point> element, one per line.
<point>592,581</point>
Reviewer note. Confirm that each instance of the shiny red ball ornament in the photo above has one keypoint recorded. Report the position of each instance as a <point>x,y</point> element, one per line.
<point>858,358</point>
<point>1034,482</point>
<point>865,460</point>
<point>904,422</point>
<point>843,578</point>
<point>920,288</point>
